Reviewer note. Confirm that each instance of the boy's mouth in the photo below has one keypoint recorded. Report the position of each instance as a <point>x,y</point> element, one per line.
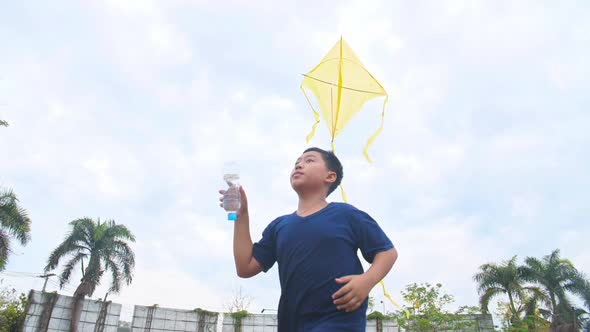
<point>297,173</point>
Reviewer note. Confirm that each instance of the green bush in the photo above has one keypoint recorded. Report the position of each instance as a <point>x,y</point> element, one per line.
<point>12,311</point>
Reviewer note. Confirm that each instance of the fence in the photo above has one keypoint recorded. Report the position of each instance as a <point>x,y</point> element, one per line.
<point>51,312</point>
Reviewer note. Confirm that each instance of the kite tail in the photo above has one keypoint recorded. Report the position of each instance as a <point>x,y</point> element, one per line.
<point>344,199</point>
<point>391,300</point>
<point>372,138</point>
<point>316,115</point>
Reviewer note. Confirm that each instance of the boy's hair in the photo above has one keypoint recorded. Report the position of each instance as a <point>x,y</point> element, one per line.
<point>333,165</point>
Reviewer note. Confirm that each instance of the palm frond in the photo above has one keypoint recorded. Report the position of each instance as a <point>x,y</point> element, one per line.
<point>126,259</point>
<point>68,246</point>
<point>69,267</point>
<point>538,295</point>
<point>118,232</point>
<point>77,240</point>
<point>4,249</point>
<point>14,218</point>
<point>115,274</point>
<point>487,296</point>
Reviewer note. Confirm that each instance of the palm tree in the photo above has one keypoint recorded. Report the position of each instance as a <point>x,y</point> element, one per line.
<point>104,245</point>
<point>13,222</point>
<point>535,317</point>
<point>557,277</point>
<point>494,280</point>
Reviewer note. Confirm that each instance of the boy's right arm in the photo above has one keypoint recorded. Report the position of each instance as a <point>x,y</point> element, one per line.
<point>246,265</point>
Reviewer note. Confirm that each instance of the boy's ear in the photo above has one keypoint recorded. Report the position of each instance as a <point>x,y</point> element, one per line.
<point>331,178</point>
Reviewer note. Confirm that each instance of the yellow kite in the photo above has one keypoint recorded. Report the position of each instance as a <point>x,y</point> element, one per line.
<point>342,85</point>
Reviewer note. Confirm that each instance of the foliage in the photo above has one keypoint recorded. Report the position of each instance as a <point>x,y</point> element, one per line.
<point>538,292</point>
<point>371,304</point>
<point>532,321</point>
<point>3,123</point>
<point>501,279</point>
<point>237,317</point>
<point>239,301</point>
<point>377,315</point>
<point>12,310</point>
<point>426,304</point>
<point>203,311</point>
<point>558,279</point>
<point>204,317</point>
<point>14,222</point>
<point>105,246</point>
<point>237,306</point>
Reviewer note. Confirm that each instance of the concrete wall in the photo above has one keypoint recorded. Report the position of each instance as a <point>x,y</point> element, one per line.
<point>386,326</point>
<point>52,312</point>
<point>252,323</point>
<point>156,319</point>
<point>268,323</point>
<point>481,322</point>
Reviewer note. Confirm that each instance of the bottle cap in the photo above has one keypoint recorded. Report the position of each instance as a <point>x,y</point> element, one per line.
<point>232,216</point>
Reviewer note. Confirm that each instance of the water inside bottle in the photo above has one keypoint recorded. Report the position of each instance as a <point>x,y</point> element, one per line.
<point>231,199</point>
<point>231,179</point>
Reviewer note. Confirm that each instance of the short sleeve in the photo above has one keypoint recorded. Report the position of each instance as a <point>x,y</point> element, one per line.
<point>370,238</point>
<point>265,250</point>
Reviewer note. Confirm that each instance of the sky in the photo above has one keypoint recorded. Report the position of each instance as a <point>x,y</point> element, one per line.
<point>128,110</point>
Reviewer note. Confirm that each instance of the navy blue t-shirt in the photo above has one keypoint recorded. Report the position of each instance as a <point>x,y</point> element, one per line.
<point>311,253</point>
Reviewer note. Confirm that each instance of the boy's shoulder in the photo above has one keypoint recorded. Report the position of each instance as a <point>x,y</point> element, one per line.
<point>346,207</point>
<point>334,206</point>
<point>341,207</point>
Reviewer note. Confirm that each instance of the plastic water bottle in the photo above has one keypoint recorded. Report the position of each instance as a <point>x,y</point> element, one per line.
<point>231,199</point>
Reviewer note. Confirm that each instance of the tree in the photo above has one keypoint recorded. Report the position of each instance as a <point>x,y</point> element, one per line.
<point>557,277</point>
<point>531,318</point>
<point>426,305</point>
<point>12,310</point>
<point>371,305</point>
<point>14,222</point>
<point>582,289</point>
<point>504,279</point>
<point>104,245</point>
<point>238,301</point>
<point>3,123</point>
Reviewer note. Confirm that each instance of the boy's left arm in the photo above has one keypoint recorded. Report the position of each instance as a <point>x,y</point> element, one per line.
<point>357,287</point>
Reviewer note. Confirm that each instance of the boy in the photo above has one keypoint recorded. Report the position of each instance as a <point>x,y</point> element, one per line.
<point>323,287</point>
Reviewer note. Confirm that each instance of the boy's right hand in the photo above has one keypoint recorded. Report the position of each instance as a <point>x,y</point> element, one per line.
<point>243,201</point>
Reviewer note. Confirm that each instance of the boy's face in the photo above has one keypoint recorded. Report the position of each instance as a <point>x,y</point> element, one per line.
<point>310,173</point>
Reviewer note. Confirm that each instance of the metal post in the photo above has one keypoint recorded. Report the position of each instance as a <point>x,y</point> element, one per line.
<point>46,276</point>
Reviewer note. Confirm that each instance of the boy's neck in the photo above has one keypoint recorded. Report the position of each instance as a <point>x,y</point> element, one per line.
<point>310,204</point>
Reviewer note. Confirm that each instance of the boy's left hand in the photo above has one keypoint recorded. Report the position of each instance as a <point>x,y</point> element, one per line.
<point>352,295</point>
